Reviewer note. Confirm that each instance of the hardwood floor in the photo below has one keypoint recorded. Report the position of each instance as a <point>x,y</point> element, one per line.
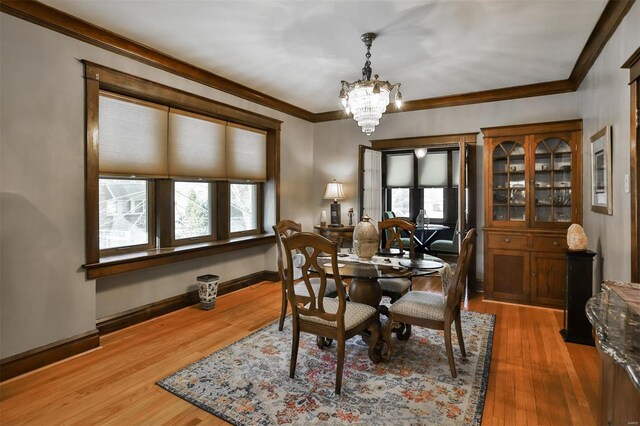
<point>535,378</point>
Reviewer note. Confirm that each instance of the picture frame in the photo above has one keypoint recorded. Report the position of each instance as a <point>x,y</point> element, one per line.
<point>601,190</point>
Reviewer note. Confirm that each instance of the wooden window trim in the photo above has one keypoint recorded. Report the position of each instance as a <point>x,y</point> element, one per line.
<point>97,78</point>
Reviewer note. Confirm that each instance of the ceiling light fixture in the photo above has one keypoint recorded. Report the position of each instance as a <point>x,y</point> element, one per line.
<point>367,99</point>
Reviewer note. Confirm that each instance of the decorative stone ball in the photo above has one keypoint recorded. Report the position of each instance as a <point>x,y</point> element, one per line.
<point>365,239</point>
<point>576,238</point>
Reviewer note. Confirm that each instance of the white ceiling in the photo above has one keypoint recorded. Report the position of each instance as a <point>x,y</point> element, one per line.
<point>299,50</point>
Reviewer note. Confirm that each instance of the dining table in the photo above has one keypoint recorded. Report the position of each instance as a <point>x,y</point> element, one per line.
<point>365,273</point>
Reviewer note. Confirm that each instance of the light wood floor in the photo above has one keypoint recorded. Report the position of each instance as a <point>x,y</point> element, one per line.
<point>535,378</point>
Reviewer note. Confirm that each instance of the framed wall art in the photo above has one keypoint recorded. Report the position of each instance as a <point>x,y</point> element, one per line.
<point>601,191</point>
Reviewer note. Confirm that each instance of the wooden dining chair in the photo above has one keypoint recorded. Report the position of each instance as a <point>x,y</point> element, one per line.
<point>432,310</point>
<point>336,319</point>
<point>395,288</point>
<point>283,229</point>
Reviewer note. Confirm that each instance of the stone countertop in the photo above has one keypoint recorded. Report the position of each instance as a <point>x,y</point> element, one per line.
<point>617,326</point>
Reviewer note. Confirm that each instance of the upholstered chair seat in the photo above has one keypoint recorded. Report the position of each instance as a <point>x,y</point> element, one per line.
<point>420,304</point>
<point>354,313</point>
<point>395,285</point>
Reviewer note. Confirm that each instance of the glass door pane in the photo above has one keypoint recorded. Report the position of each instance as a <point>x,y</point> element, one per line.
<point>509,196</point>
<point>552,180</point>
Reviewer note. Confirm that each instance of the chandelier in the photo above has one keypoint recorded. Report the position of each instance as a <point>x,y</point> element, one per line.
<point>367,99</point>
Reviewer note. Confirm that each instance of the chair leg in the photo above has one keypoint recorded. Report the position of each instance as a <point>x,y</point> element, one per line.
<point>294,349</point>
<point>340,365</point>
<point>447,343</point>
<point>283,309</point>
<point>459,333</point>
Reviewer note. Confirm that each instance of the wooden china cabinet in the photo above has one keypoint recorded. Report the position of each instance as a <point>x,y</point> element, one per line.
<point>533,181</point>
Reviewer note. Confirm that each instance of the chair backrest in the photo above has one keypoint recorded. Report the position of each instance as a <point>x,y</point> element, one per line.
<point>388,215</point>
<point>458,283</point>
<point>311,246</point>
<point>392,229</point>
<point>284,229</point>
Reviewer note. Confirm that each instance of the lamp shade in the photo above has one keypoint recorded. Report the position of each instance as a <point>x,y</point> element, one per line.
<point>334,191</point>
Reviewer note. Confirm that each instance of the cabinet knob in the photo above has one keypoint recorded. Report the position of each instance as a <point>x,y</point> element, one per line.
<point>555,243</point>
<point>507,240</point>
<point>533,274</point>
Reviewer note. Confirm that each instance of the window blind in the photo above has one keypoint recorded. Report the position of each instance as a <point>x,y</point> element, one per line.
<point>399,172</point>
<point>246,153</point>
<point>132,137</point>
<point>196,146</point>
<point>432,170</point>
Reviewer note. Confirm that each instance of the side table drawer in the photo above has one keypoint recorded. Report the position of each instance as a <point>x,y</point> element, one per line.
<point>550,243</point>
<point>507,241</point>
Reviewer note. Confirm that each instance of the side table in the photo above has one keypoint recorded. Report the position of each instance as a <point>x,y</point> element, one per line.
<point>343,235</point>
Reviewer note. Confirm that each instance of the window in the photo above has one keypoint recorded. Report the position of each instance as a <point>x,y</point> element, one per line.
<point>427,183</point>
<point>400,198</point>
<point>123,212</point>
<point>159,177</point>
<point>192,209</point>
<point>244,207</point>
<point>433,202</point>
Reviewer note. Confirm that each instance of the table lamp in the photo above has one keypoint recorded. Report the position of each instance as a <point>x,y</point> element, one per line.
<point>334,192</point>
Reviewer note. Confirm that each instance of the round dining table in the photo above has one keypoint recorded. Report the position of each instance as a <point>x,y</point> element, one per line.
<point>365,273</point>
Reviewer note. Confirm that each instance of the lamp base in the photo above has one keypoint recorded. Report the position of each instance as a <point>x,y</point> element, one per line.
<point>335,214</point>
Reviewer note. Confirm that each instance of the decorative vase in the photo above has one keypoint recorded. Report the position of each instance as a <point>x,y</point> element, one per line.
<point>208,290</point>
<point>365,238</point>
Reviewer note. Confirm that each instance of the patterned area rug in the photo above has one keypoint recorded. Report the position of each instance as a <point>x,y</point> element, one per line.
<point>248,382</point>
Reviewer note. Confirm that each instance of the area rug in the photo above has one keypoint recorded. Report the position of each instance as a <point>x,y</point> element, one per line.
<point>248,382</point>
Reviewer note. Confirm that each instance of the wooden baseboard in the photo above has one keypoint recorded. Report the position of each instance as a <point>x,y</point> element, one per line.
<point>137,315</point>
<point>15,365</point>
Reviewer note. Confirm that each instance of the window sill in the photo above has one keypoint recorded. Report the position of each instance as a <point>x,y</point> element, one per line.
<point>121,263</point>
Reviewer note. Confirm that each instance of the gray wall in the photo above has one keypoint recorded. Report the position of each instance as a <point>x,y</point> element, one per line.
<point>604,99</point>
<point>44,296</point>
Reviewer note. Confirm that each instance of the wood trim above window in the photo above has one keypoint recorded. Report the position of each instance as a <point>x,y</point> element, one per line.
<point>423,141</point>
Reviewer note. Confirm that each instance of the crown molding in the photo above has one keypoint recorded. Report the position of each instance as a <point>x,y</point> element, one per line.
<point>56,20</point>
<point>493,95</point>
<point>609,20</point>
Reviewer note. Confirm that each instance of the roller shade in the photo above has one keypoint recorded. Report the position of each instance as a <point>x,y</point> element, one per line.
<point>246,153</point>
<point>432,170</point>
<point>399,173</point>
<point>132,137</point>
<point>197,146</point>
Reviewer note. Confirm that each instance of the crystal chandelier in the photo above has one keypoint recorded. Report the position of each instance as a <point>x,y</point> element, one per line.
<point>367,99</point>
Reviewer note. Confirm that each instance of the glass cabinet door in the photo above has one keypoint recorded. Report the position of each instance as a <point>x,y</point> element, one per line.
<point>509,194</point>
<point>552,181</point>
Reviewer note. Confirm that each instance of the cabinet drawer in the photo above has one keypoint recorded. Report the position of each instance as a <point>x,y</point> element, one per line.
<point>550,243</point>
<point>507,241</point>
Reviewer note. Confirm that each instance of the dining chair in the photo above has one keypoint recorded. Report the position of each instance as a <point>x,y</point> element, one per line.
<point>328,318</point>
<point>283,229</point>
<point>395,288</point>
<point>432,310</point>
